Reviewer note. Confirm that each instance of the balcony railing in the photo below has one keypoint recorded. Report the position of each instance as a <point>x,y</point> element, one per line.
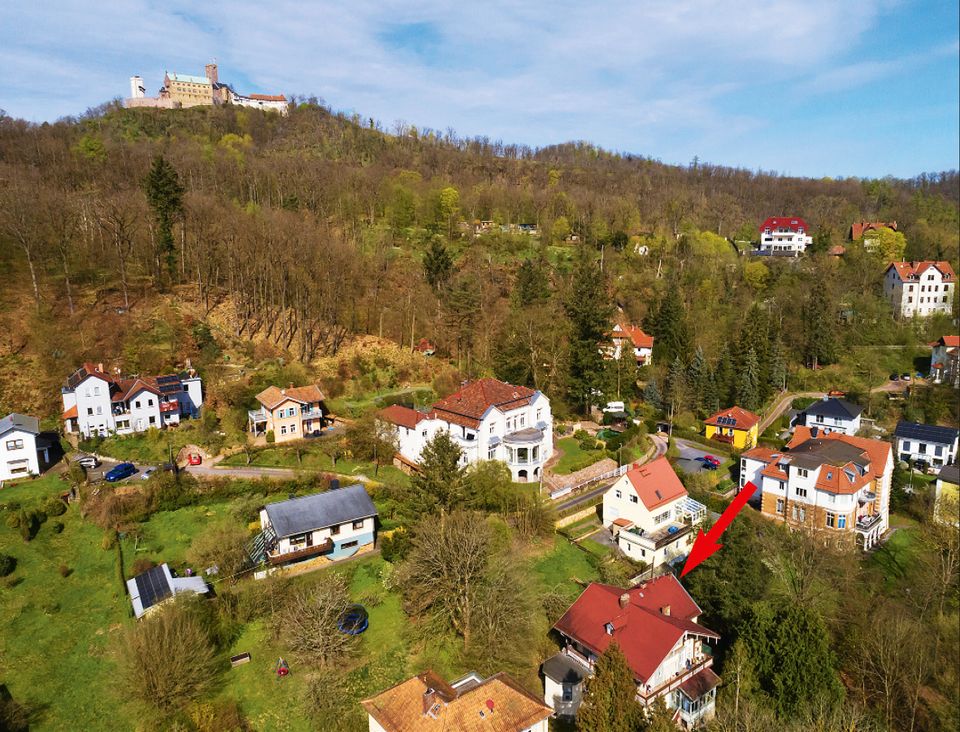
<point>865,523</point>
<point>722,438</point>
<point>646,697</point>
<point>323,547</point>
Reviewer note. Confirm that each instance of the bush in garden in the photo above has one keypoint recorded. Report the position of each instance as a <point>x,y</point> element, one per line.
<point>57,527</point>
<point>54,507</point>
<point>7,564</point>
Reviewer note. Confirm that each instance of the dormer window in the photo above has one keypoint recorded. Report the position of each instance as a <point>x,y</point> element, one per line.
<point>609,628</point>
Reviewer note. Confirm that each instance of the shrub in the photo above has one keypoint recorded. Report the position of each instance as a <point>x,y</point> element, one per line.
<point>13,521</point>
<point>394,548</point>
<point>54,507</point>
<point>57,527</point>
<point>108,540</point>
<point>141,565</point>
<point>271,438</point>
<point>65,571</point>
<point>29,524</point>
<point>7,564</point>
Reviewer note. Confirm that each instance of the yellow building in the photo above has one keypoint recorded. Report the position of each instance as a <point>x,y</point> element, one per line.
<point>188,90</point>
<point>734,426</point>
<point>946,510</point>
<point>290,414</point>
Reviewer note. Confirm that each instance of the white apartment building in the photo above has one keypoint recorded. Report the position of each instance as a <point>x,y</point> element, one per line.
<point>98,403</point>
<point>833,415</point>
<point>489,420</point>
<point>650,514</point>
<point>784,236</point>
<point>20,454</point>
<point>825,482</point>
<point>919,289</point>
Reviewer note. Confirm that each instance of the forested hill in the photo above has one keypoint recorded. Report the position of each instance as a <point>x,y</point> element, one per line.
<point>310,229</point>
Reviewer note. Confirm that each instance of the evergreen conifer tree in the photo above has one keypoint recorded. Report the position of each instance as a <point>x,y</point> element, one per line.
<point>610,700</point>
<point>589,311</point>
<point>165,196</point>
<point>441,480</point>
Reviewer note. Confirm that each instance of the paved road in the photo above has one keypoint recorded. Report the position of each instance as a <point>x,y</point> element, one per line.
<point>689,452</point>
<point>252,471</point>
<point>787,399</point>
<point>660,443</point>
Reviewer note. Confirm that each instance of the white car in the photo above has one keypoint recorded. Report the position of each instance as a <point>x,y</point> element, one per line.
<point>88,461</point>
<point>615,407</point>
<point>147,473</point>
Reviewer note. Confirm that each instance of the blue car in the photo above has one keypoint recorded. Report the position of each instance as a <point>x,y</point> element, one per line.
<point>121,471</point>
<point>707,464</point>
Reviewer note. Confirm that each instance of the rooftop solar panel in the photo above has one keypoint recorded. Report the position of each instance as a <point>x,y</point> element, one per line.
<point>153,587</point>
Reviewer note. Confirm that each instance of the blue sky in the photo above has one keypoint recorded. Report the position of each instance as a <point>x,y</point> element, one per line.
<point>804,87</point>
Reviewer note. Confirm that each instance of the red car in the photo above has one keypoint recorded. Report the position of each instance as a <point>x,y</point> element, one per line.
<point>194,458</point>
<point>712,460</point>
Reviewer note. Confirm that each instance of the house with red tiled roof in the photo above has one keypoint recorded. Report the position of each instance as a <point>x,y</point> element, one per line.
<point>627,337</point>
<point>919,289</point>
<point>830,483</point>
<point>98,402</point>
<point>734,426</point>
<point>861,229</point>
<point>945,361</point>
<point>656,626</point>
<point>488,419</point>
<point>784,236</point>
<point>650,515</point>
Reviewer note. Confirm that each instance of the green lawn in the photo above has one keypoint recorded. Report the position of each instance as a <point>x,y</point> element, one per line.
<point>33,490</point>
<point>563,567</point>
<point>418,394</point>
<point>894,558</point>
<point>574,458</point>
<point>152,446</point>
<point>55,631</point>
<point>166,536</point>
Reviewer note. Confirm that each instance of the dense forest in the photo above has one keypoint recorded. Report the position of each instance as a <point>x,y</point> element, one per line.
<point>309,229</point>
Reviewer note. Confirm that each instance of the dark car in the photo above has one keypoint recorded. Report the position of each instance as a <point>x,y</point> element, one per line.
<point>711,459</point>
<point>894,377</point>
<point>706,463</point>
<point>121,471</point>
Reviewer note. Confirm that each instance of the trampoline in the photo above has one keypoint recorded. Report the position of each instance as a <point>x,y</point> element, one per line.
<point>353,620</point>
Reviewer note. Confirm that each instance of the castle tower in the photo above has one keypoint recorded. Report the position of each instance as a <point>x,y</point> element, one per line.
<point>137,89</point>
<point>211,70</point>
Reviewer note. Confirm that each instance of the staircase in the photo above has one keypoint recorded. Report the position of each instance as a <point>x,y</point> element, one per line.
<point>260,545</point>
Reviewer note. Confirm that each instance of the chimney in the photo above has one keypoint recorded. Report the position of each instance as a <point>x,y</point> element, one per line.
<point>290,385</point>
<point>624,600</point>
<point>428,696</point>
<point>665,610</point>
<point>211,70</point>
<point>100,367</point>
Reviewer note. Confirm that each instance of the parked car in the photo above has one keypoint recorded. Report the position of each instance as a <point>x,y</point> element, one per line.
<point>706,463</point>
<point>88,461</point>
<point>169,467</point>
<point>147,473</point>
<point>894,377</point>
<point>904,377</point>
<point>712,459</point>
<point>194,458</point>
<point>121,471</point>
<point>614,407</point>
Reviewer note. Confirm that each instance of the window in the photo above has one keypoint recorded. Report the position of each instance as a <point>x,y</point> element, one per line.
<point>153,420</point>
<point>358,524</point>
<point>424,433</point>
<point>523,420</point>
<point>89,411</point>
<point>283,429</point>
<point>841,522</point>
<point>137,404</point>
<point>923,448</point>
<point>293,428</point>
<point>906,445</point>
<point>99,410</point>
<point>149,402</point>
<point>938,450</point>
<point>803,472</point>
<point>801,492</point>
<point>819,419</point>
<point>803,514</point>
<point>661,517</point>
<point>831,519</point>
<point>349,544</point>
<point>492,453</point>
<point>618,494</point>
<point>633,499</point>
<point>334,530</point>
<point>14,444</point>
<point>493,426</point>
<point>539,412</point>
<point>96,391</point>
<point>794,512</point>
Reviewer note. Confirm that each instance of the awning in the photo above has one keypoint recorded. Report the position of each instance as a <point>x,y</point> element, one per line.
<point>699,684</point>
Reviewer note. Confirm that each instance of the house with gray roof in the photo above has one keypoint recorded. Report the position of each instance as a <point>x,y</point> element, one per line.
<point>926,443</point>
<point>335,524</point>
<point>833,415</point>
<point>22,451</point>
<point>152,588</point>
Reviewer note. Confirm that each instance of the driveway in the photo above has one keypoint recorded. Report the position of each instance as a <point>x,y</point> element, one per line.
<point>689,453</point>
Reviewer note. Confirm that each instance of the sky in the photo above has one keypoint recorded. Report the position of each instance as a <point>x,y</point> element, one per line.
<point>815,88</point>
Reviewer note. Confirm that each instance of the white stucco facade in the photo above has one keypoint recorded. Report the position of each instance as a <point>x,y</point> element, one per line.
<point>920,289</point>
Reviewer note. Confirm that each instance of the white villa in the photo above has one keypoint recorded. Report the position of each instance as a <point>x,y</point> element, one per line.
<point>650,514</point>
<point>98,403</point>
<point>655,625</point>
<point>627,337</point>
<point>784,236</point>
<point>928,443</point>
<point>20,453</point>
<point>489,420</point>
<point>920,288</point>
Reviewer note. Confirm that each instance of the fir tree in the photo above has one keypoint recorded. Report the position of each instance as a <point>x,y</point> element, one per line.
<point>777,371</point>
<point>532,285</point>
<point>165,196</point>
<point>677,390</point>
<point>652,396</point>
<point>724,379</point>
<point>669,328</point>
<point>748,395</point>
<point>440,482</point>
<point>437,264</point>
<point>710,403</point>
<point>696,379</point>
<point>610,700</point>
<point>819,332</point>
<point>589,311</point>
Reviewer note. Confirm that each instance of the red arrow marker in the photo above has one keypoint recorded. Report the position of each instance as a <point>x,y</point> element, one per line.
<point>706,545</point>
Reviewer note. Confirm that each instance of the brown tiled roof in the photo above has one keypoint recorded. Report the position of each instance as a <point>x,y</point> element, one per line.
<point>700,683</point>
<point>744,420</point>
<point>273,396</point>
<point>70,413</point>
<point>656,483</point>
<point>268,97</point>
<point>497,704</point>
<point>467,406</point>
<point>858,229</point>
<point>402,416</point>
<point>635,334</point>
<point>129,387</point>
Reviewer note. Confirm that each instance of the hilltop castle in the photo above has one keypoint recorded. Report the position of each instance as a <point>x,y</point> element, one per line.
<point>185,90</point>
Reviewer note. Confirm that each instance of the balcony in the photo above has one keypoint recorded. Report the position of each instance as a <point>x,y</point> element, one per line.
<point>311,413</point>
<point>660,538</point>
<point>258,415</point>
<point>646,695</point>
<point>727,439</point>
<point>866,497</point>
<point>529,436</point>
<point>323,547</point>
<point>866,523</point>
